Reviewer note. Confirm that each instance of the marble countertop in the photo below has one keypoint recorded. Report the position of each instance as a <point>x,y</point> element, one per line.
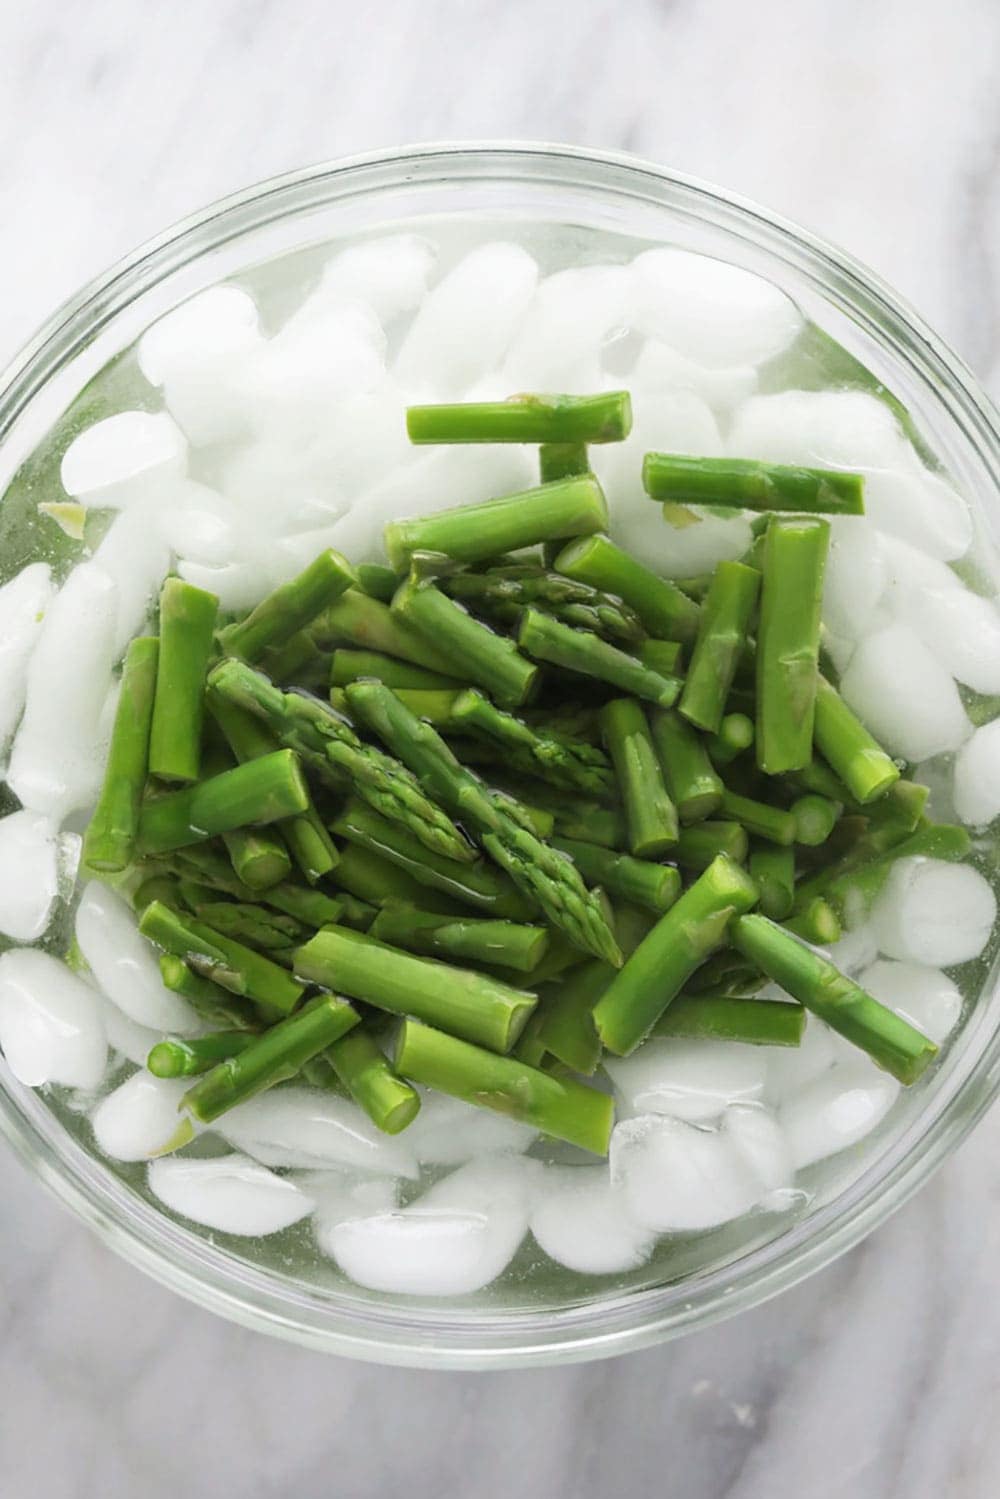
<point>878,126</point>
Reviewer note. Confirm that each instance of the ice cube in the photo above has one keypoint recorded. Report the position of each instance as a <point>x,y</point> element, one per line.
<point>51,1028</point>
<point>904,695</point>
<point>130,1040</point>
<point>691,1080</point>
<point>340,1198</point>
<point>960,628</point>
<point>679,1177</point>
<point>367,441</point>
<point>659,367</point>
<point>910,571</point>
<point>200,524</point>
<point>230,1194</point>
<point>136,558</point>
<point>581,1222</point>
<point>448,1132</point>
<point>977,776</point>
<point>309,1128</point>
<point>466,324</point>
<point>856,949</point>
<point>760,1144</point>
<point>141,1118</point>
<point>572,315</point>
<point>23,602</point>
<point>321,357</point>
<point>29,874</point>
<point>390,273</point>
<point>924,996</point>
<point>56,762</point>
<point>836,1110</point>
<point>219,322</point>
<point>124,964</point>
<point>845,429</point>
<point>791,1068</point>
<point>920,508</point>
<point>710,311</point>
<point>934,913</point>
<point>856,577</point>
<point>134,455</point>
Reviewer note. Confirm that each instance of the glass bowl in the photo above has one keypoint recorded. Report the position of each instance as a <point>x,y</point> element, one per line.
<point>593,194</point>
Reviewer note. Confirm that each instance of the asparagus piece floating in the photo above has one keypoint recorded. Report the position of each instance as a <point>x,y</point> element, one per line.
<point>204,864</point>
<point>735,735</point>
<point>567,762</point>
<point>354,666</point>
<point>700,844</point>
<point>606,417</point>
<point>562,460</point>
<point>259,792</point>
<point>503,593</point>
<point>842,739</point>
<point>652,886</point>
<point>378,581</point>
<point>663,608</point>
<point>158,887</point>
<point>474,533</point>
<point>356,619</point>
<point>759,819</point>
<point>390,1103</point>
<point>664,656</point>
<point>330,747</point>
<point>289,608</point>
<point>664,961</point>
<point>546,639</point>
<point>719,1017</point>
<point>176,1057</point>
<point>816,922</point>
<point>543,875</point>
<point>274,1057</point>
<point>817,779</point>
<point>793,564</point>
<point>462,1001</point>
<point>213,1003</point>
<point>747,484</point>
<point>815,819</point>
<point>477,884</point>
<point>650,814</point>
<point>479,654</point>
<point>772,870</point>
<point>561,1107</point>
<point>891,1042</point>
<point>566,1027</point>
<point>110,840</point>
<point>370,880</point>
<point>695,788</point>
<point>258,856</point>
<point>187,625</point>
<point>721,640</point>
<point>895,815</point>
<point>263,930</point>
<point>466,939</point>
<point>852,885</point>
<point>212,955</point>
<point>435,706</point>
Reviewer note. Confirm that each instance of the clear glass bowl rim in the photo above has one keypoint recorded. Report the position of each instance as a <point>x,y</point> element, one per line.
<point>493,1338</point>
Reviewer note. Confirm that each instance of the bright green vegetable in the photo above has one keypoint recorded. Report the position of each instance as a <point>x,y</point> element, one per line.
<point>721,640</point>
<point>606,417</point>
<point>694,786</point>
<point>664,609</point>
<point>842,739</point>
<point>290,608</point>
<point>187,625</point>
<point>747,484</point>
<point>794,562</point>
<point>649,812</point>
<point>546,639</point>
<point>259,792</point>
<point>110,840</point>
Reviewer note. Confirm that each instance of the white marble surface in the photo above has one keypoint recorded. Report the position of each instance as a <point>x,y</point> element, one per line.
<point>877,125</point>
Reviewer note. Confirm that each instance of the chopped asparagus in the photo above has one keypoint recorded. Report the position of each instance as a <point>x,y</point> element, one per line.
<point>503,593</point>
<point>735,734</point>
<point>187,625</point>
<point>815,819</point>
<point>695,788</point>
<point>390,1103</point>
<point>259,792</point>
<point>649,812</point>
<point>794,562</point>
<point>699,844</point>
<point>664,609</point>
<point>754,1022</point>
<point>465,939</point>
<point>177,1057</point>
<point>747,484</point>
<point>110,840</point>
<point>354,665</point>
<point>215,956</point>
<point>772,870</point>
<point>655,887</point>
<point>721,640</point>
<point>759,819</point>
<point>479,654</point>
<point>290,608</point>
<point>856,757</point>
<point>546,639</point>
<point>606,417</point>
<point>567,762</point>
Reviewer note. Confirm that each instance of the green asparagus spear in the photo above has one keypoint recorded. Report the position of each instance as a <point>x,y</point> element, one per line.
<point>747,484</point>
<point>546,639</point>
<point>370,880</point>
<point>274,1057</point>
<point>502,594</point>
<point>562,460</point>
<point>734,736</point>
<point>259,792</point>
<point>695,788</point>
<point>817,779</point>
<point>726,973</point>
<point>794,562</point>
<point>664,656</point>
<point>861,763</point>
<point>664,609</point>
<point>187,623</point>
<point>894,816</point>
<point>289,608</point>
<point>772,870</point>
<point>564,761</point>
<point>109,842</point>
<point>158,887</point>
<point>649,812</point>
<point>378,581</point>
<point>721,640</point>
<point>852,885</point>
<point>473,1005</point>
<point>390,1103</point>
<point>258,856</point>
<point>435,706</point>
<point>755,1022</point>
<point>891,1042</point>
<point>661,965</point>
<point>354,666</point>
<point>606,417</point>
<point>355,619</point>
<point>817,922</point>
<point>561,1107</point>
<point>480,655</point>
<point>204,864</point>
<point>566,1027</point>
<point>302,661</point>
<point>255,926</point>
<point>213,1003</point>
<point>655,887</point>
<point>177,1057</point>
<point>815,819</point>
<point>700,844</point>
<point>593,824</point>
<point>759,819</point>
<point>237,968</point>
<point>464,939</point>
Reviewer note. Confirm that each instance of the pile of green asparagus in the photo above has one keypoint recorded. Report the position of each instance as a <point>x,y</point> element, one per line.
<point>514,794</point>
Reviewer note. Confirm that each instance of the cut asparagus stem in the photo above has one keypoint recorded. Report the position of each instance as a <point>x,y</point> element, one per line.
<point>435,706</point>
<point>815,819</point>
<point>561,1107</point>
<point>372,880</point>
<point>275,1057</point>
<point>650,814</point>
<point>895,815</point>
<point>759,819</point>
<point>302,661</point>
<point>546,639</point>
<point>355,619</point>
<point>560,956</point>
<point>891,1042</point>
<point>258,856</point>
<point>501,594</point>
<point>539,872</point>
<point>664,656</point>
<point>734,736</point>
<point>860,762</point>
<point>747,484</point>
<point>332,749</point>
<point>817,779</point>
<point>237,968</point>
<point>213,1003</point>
<point>562,460</point>
<point>530,1049</point>
<point>721,640</point>
<point>655,887</point>
<point>816,922</point>
<point>566,1027</point>
<point>772,870</point>
<point>461,1001</point>
<point>478,884</point>
<point>176,1057</point>
<point>464,939</point>
<point>567,762</point>
<point>606,417</point>
<point>755,1022</point>
<point>851,886</point>
<point>204,864</point>
<point>310,845</point>
<point>255,926</point>
<point>289,608</point>
<point>158,887</point>
<point>390,1103</point>
<point>479,654</point>
<point>474,533</point>
<point>661,965</point>
<point>665,611</point>
<point>695,788</point>
<point>700,844</point>
<point>794,562</point>
<point>110,840</point>
<point>377,581</point>
<point>187,624</point>
<point>354,666</point>
<point>259,792</point>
